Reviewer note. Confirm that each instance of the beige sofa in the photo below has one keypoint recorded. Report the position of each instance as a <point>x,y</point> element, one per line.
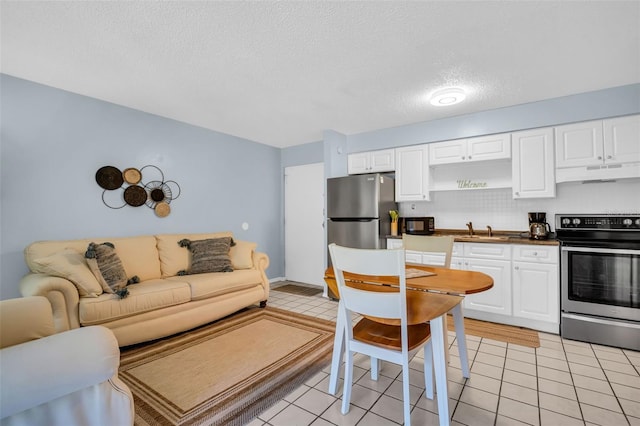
<point>162,303</point>
<point>69,378</point>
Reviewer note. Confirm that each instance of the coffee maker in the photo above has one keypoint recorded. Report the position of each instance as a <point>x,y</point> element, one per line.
<point>539,229</point>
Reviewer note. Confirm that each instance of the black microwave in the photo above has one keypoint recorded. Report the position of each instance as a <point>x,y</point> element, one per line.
<point>418,225</point>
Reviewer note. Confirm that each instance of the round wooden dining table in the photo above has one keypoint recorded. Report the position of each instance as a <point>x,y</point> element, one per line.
<point>431,293</point>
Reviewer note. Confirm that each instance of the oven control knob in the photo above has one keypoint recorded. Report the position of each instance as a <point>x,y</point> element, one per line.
<point>576,221</point>
<point>627,222</point>
<point>638,222</point>
<point>567,221</point>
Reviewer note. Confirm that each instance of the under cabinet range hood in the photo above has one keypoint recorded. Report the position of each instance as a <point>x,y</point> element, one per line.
<point>605,172</point>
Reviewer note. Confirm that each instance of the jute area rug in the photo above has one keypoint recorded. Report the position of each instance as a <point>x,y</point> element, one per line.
<point>226,372</point>
<point>504,333</point>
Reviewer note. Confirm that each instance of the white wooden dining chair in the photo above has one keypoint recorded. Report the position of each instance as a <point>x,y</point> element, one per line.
<point>392,343</point>
<point>442,245</point>
<point>430,244</point>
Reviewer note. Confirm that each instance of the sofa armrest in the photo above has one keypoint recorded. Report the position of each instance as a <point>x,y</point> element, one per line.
<point>261,263</point>
<point>260,260</point>
<point>42,370</point>
<point>61,293</point>
<point>25,319</point>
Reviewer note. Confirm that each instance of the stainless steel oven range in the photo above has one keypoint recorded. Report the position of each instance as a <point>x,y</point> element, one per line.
<point>600,278</point>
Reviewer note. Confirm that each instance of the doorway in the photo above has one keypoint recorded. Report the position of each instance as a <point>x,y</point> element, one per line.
<point>304,223</point>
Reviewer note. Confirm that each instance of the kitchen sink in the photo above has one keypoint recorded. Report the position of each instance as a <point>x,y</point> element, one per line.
<point>486,237</point>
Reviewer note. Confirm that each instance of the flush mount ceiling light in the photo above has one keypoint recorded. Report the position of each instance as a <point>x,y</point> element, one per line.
<point>447,96</point>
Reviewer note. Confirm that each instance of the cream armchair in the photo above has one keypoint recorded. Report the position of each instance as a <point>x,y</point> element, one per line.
<point>70,378</point>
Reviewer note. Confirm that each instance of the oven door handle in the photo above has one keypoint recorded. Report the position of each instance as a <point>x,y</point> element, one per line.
<point>601,250</point>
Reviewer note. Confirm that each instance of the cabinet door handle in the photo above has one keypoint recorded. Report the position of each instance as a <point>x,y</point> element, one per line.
<point>599,157</point>
<point>517,268</point>
<point>463,157</point>
<point>517,194</point>
<point>609,157</point>
<point>469,157</point>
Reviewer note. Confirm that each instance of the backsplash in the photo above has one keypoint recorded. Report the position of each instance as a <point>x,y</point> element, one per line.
<point>497,208</point>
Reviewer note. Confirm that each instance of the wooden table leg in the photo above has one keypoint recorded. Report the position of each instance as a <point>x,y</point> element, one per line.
<point>461,338</point>
<point>440,367</point>
<point>338,349</point>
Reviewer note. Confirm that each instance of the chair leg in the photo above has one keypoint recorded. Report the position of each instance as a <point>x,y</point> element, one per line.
<point>428,369</point>
<point>336,360</point>
<point>440,367</point>
<point>348,377</point>
<point>406,397</point>
<point>375,369</point>
<point>461,337</point>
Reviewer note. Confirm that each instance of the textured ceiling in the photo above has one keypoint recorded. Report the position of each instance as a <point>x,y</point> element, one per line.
<point>280,73</point>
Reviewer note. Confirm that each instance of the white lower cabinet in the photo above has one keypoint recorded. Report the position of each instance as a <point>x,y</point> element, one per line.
<point>495,261</point>
<point>535,291</point>
<point>535,282</point>
<point>525,290</point>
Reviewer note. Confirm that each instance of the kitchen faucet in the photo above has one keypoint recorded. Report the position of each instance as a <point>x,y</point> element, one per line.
<point>470,226</point>
<point>490,231</point>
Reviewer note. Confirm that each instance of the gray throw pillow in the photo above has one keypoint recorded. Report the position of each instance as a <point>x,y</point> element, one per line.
<point>210,255</point>
<point>107,268</point>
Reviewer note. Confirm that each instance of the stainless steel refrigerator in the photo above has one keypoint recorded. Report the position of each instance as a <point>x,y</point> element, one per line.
<point>358,210</point>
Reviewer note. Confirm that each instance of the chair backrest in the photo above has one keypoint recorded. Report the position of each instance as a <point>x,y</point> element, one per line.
<point>371,262</point>
<point>430,244</point>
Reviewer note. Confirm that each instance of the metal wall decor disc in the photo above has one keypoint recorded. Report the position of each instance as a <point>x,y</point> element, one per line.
<point>135,195</point>
<point>150,172</point>
<point>132,176</point>
<point>157,195</point>
<point>162,209</point>
<point>109,177</point>
<point>111,203</point>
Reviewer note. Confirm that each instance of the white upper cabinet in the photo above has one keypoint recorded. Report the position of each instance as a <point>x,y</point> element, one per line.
<point>579,144</point>
<point>599,142</point>
<point>532,166</point>
<point>491,147</point>
<point>412,173</point>
<point>448,152</point>
<point>598,150</point>
<point>371,162</point>
<point>622,139</point>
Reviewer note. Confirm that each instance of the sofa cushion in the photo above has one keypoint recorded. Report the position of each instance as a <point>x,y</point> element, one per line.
<point>204,286</point>
<point>107,268</point>
<point>174,258</point>
<point>70,264</point>
<point>210,255</point>
<point>242,254</point>
<point>143,297</point>
<point>139,255</point>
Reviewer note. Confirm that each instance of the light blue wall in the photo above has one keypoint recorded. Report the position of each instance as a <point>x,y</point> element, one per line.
<point>617,101</point>
<point>302,154</point>
<point>53,142</point>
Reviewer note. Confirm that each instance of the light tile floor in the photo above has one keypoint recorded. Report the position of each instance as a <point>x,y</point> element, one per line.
<point>563,382</point>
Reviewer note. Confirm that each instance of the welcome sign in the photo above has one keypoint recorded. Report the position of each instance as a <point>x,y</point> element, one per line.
<point>469,184</point>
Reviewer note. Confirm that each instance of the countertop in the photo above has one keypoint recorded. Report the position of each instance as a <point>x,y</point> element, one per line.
<point>498,237</point>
